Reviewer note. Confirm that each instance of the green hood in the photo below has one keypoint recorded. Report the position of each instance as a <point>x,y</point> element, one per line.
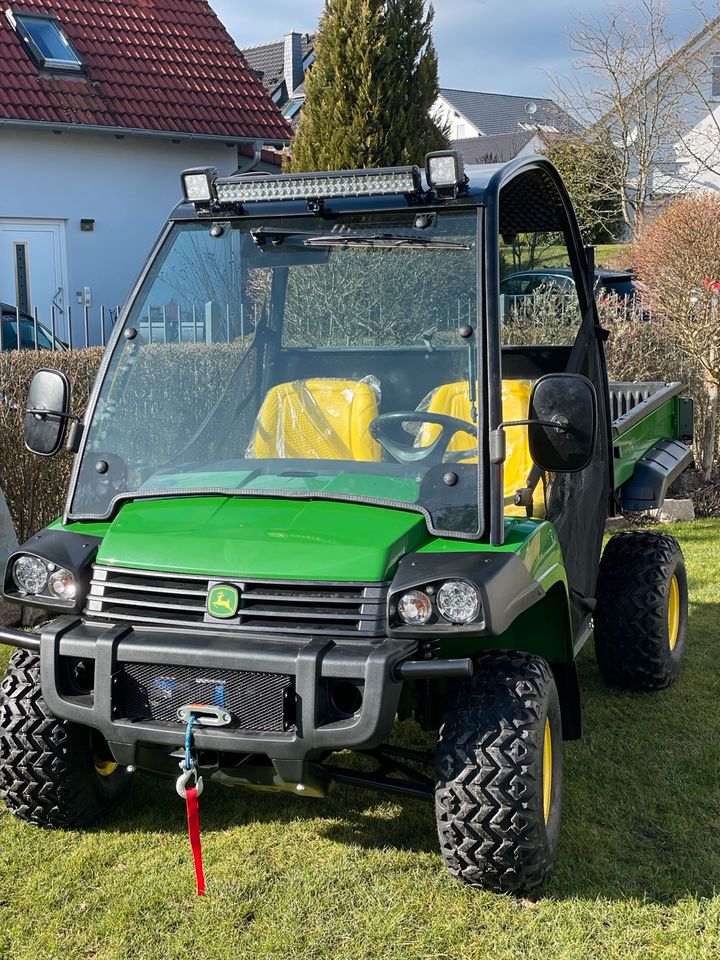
<point>263,538</point>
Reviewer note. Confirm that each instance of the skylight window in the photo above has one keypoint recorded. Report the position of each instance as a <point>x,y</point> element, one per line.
<point>45,41</point>
<point>291,108</point>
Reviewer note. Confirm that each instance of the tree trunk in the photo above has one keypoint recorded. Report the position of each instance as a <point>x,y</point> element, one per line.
<point>710,432</point>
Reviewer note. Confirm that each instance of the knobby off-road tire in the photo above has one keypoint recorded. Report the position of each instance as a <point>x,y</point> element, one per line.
<point>641,615</point>
<point>498,793</point>
<point>52,773</point>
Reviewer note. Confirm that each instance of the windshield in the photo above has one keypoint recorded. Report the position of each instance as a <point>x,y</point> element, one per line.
<point>300,358</point>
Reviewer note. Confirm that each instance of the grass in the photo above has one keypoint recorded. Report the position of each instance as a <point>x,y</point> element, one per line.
<point>557,255</point>
<point>359,876</point>
<point>608,253</point>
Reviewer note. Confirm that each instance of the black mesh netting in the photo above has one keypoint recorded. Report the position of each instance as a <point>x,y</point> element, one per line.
<point>577,503</point>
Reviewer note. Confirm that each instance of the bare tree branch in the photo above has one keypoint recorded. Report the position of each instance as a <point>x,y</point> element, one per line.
<point>627,80</point>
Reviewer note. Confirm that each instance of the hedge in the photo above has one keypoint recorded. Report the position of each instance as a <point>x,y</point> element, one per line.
<point>35,487</point>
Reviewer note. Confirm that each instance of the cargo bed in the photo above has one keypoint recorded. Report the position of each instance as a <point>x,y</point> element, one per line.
<point>652,433</point>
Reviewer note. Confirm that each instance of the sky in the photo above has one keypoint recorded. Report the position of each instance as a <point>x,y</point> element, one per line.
<point>495,46</point>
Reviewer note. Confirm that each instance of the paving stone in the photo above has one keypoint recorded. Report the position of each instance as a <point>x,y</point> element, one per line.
<point>616,523</point>
<point>675,511</point>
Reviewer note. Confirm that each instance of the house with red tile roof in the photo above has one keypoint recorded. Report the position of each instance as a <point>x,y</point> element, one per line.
<point>102,104</point>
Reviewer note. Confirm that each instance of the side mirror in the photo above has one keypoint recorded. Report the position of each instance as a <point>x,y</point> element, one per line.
<point>568,400</point>
<point>47,413</point>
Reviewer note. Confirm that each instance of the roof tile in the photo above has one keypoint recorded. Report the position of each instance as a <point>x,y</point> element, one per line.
<point>163,65</point>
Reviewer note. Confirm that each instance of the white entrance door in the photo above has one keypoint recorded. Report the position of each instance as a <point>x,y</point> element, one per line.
<point>33,268</point>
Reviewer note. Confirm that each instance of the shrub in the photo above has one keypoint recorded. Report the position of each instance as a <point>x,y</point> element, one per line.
<point>678,259</point>
<point>644,350</point>
<point>36,487</point>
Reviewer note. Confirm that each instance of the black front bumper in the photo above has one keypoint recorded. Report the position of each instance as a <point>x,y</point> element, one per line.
<point>312,664</point>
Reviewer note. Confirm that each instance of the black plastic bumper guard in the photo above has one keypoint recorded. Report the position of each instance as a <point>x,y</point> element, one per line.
<point>149,743</point>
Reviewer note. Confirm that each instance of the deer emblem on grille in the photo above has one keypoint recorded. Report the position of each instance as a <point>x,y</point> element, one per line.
<point>223,601</point>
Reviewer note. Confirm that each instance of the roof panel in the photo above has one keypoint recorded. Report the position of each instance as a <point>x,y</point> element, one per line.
<point>268,59</point>
<point>494,113</point>
<point>127,48</point>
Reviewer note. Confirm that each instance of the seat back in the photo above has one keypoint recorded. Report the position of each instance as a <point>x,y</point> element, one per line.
<point>317,419</point>
<point>453,399</point>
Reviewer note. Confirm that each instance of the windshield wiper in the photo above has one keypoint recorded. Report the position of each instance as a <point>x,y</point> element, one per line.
<point>383,240</point>
<point>261,236</point>
<point>276,236</point>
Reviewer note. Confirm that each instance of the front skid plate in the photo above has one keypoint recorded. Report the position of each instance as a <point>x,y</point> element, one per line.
<point>397,770</point>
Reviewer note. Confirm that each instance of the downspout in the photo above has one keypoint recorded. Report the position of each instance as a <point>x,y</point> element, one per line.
<point>247,164</point>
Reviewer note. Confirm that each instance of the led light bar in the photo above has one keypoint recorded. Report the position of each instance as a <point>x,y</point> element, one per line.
<point>311,186</point>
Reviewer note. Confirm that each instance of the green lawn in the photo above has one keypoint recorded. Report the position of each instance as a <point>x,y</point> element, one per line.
<point>557,255</point>
<point>359,876</point>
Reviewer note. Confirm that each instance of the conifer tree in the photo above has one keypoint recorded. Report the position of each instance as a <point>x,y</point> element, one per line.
<point>374,78</point>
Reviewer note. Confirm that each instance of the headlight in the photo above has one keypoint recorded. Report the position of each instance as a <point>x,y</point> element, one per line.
<point>30,574</point>
<point>414,607</point>
<point>62,584</point>
<point>458,601</point>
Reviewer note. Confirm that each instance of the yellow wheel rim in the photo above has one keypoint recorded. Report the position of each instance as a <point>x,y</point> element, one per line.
<point>547,770</point>
<point>104,768</point>
<point>674,612</point>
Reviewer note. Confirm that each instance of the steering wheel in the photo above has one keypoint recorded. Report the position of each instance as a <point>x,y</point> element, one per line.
<point>434,452</point>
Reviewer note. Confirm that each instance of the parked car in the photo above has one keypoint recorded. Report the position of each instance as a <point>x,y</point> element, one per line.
<point>27,332</point>
<point>620,283</point>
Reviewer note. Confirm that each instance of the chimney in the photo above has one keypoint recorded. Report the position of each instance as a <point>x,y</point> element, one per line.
<point>292,62</point>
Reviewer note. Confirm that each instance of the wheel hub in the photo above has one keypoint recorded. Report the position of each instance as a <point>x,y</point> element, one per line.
<point>547,770</point>
<point>674,612</point>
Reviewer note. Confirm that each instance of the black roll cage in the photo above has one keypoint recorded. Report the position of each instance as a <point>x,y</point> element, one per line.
<point>483,192</point>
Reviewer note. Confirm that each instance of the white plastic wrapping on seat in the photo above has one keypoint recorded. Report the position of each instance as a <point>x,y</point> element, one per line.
<point>323,419</point>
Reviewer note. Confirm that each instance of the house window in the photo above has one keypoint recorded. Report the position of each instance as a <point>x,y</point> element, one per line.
<point>45,41</point>
<point>292,108</point>
<point>716,77</point>
<point>22,281</point>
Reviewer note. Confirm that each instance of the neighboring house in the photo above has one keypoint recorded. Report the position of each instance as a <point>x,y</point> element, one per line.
<point>281,67</point>
<point>690,159</point>
<point>102,104</point>
<point>500,147</point>
<point>468,114</point>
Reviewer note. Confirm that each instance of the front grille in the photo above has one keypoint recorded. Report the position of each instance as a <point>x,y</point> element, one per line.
<point>266,606</point>
<point>255,701</point>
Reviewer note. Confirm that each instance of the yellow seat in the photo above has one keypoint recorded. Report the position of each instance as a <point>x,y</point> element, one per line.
<point>317,419</point>
<point>453,399</point>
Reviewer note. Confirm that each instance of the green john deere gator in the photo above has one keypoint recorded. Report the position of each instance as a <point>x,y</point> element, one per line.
<point>339,468</point>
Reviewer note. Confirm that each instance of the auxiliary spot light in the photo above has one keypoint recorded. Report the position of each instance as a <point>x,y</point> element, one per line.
<point>445,172</point>
<point>198,184</point>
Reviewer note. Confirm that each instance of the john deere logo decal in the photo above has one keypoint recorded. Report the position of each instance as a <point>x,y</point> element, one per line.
<point>223,601</point>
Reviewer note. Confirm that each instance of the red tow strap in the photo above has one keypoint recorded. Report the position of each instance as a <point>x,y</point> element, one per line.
<point>193,817</point>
